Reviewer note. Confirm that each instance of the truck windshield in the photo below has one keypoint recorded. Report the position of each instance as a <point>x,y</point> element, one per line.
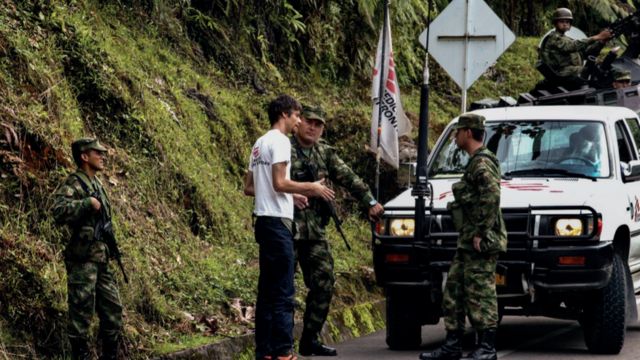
<point>534,149</point>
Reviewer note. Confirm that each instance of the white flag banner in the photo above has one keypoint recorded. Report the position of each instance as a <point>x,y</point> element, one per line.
<point>394,121</point>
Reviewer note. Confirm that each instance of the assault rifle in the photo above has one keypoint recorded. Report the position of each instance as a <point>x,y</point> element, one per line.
<point>313,171</point>
<point>104,232</point>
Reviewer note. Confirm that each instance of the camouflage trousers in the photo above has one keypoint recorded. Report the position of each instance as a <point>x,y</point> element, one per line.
<point>92,288</point>
<point>316,263</point>
<point>471,291</point>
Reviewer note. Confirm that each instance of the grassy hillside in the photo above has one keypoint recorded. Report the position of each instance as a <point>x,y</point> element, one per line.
<point>178,122</point>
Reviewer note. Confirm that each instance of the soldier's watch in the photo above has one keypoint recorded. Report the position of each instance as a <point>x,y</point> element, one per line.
<point>373,202</point>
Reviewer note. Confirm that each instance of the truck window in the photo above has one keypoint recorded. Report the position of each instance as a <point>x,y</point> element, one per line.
<point>624,148</point>
<point>632,123</point>
<point>535,148</point>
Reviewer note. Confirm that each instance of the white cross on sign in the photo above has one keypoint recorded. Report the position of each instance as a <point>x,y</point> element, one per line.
<point>465,39</point>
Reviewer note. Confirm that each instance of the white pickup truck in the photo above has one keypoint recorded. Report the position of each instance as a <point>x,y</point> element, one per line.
<point>571,203</point>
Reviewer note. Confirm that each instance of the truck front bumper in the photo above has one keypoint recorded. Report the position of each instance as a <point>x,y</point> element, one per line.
<point>414,264</point>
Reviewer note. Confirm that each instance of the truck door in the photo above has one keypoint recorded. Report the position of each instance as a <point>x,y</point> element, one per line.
<point>628,138</point>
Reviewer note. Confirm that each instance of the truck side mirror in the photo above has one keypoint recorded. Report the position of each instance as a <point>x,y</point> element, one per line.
<point>407,174</point>
<point>631,170</point>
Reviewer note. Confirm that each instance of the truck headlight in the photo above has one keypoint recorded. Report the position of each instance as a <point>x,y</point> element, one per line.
<point>402,227</point>
<point>569,227</point>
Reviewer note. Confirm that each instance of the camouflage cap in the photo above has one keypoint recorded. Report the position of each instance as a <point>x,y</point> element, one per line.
<point>84,144</point>
<point>315,113</point>
<point>470,121</point>
<point>622,75</point>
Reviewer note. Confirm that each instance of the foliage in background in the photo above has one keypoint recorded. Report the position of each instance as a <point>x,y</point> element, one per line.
<point>177,90</point>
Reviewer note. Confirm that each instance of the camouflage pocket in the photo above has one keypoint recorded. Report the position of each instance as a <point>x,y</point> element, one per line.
<point>489,245</point>
<point>457,216</point>
<point>80,245</point>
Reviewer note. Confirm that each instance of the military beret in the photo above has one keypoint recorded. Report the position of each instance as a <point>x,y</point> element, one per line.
<point>84,144</point>
<point>470,121</point>
<point>315,113</point>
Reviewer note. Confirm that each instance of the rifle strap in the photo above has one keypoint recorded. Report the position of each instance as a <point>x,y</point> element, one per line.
<point>87,189</point>
<point>83,184</point>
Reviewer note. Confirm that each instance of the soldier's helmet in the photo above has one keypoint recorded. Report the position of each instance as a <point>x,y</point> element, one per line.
<point>562,14</point>
<point>470,121</point>
<point>314,112</point>
<point>81,145</point>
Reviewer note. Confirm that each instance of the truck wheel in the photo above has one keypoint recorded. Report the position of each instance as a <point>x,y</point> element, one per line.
<point>604,320</point>
<point>403,320</point>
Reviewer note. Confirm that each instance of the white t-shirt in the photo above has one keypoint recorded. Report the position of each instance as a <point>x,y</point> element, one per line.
<point>272,148</point>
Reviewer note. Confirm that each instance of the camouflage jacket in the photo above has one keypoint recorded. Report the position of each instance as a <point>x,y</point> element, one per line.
<point>478,195</point>
<point>565,55</point>
<point>72,206</point>
<point>311,221</point>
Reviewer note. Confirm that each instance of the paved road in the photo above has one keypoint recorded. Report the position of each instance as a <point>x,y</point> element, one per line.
<point>519,338</point>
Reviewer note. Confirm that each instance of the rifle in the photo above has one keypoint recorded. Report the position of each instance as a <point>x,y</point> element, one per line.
<point>600,75</point>
<point>313,171</point>
<point>104,232</point>
<point>626,25</point>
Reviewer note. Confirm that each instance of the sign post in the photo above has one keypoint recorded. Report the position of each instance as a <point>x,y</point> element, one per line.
<point>466,39</point>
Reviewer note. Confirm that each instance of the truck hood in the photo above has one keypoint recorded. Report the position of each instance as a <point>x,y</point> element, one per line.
<point>517,193</point>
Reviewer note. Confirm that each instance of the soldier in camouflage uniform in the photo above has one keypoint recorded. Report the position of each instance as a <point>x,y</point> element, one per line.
<point>91,285</point>
<point>565,56</point>
<point>470,289</point>
<point>621,78</point>
<point>311,160</point>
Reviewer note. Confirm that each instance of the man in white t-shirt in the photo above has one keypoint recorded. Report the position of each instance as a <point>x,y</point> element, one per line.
<point>268,180</point>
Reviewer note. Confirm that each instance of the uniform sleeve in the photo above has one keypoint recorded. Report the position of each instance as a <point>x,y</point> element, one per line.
<point>341,174</point>
<point>69,204</point>
<point>564,44</point>
<point>281,151</point>
<point>485,212</point>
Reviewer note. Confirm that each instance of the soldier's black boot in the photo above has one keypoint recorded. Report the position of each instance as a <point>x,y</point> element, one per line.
<point>110,348</point>
<point>450,350</point>
<point>80,349</point>
<point>311,346</point>
<point>486,349</point>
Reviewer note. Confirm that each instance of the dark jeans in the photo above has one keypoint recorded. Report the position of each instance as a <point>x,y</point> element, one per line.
<point>274,308</point>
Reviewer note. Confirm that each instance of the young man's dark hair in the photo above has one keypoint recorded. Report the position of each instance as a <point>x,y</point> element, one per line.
<point>477,134</point>
<point>282,104</point>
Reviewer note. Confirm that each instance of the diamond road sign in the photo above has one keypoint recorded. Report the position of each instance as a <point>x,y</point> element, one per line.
<point>467,38</point>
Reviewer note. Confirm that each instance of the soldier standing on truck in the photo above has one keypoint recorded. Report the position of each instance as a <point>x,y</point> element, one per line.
<point>565,56</point>
<point>470,288</point>
<point>91,285</point>
<point>312,160</point>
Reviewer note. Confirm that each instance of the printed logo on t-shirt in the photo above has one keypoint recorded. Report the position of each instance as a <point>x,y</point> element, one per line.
<point>256,158</point>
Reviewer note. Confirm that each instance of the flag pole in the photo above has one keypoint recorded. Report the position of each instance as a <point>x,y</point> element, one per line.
<point>383,60</point>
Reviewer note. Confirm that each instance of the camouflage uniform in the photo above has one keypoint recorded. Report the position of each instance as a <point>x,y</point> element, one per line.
<point>470,288</point>
<point>312,248</point>
<point>565,55</point>
<point>90,283</point>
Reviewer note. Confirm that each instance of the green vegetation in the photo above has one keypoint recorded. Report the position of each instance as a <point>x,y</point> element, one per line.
<point>177,90</point>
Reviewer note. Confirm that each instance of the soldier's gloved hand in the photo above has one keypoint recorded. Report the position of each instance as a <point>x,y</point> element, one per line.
<point>375,212</point>
<point>95,204</point>
<point>300,201</point>
<point>476,242</point>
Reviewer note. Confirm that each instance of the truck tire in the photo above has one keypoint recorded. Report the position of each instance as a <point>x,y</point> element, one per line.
<point>604,320</point>
<point>404,330</point>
